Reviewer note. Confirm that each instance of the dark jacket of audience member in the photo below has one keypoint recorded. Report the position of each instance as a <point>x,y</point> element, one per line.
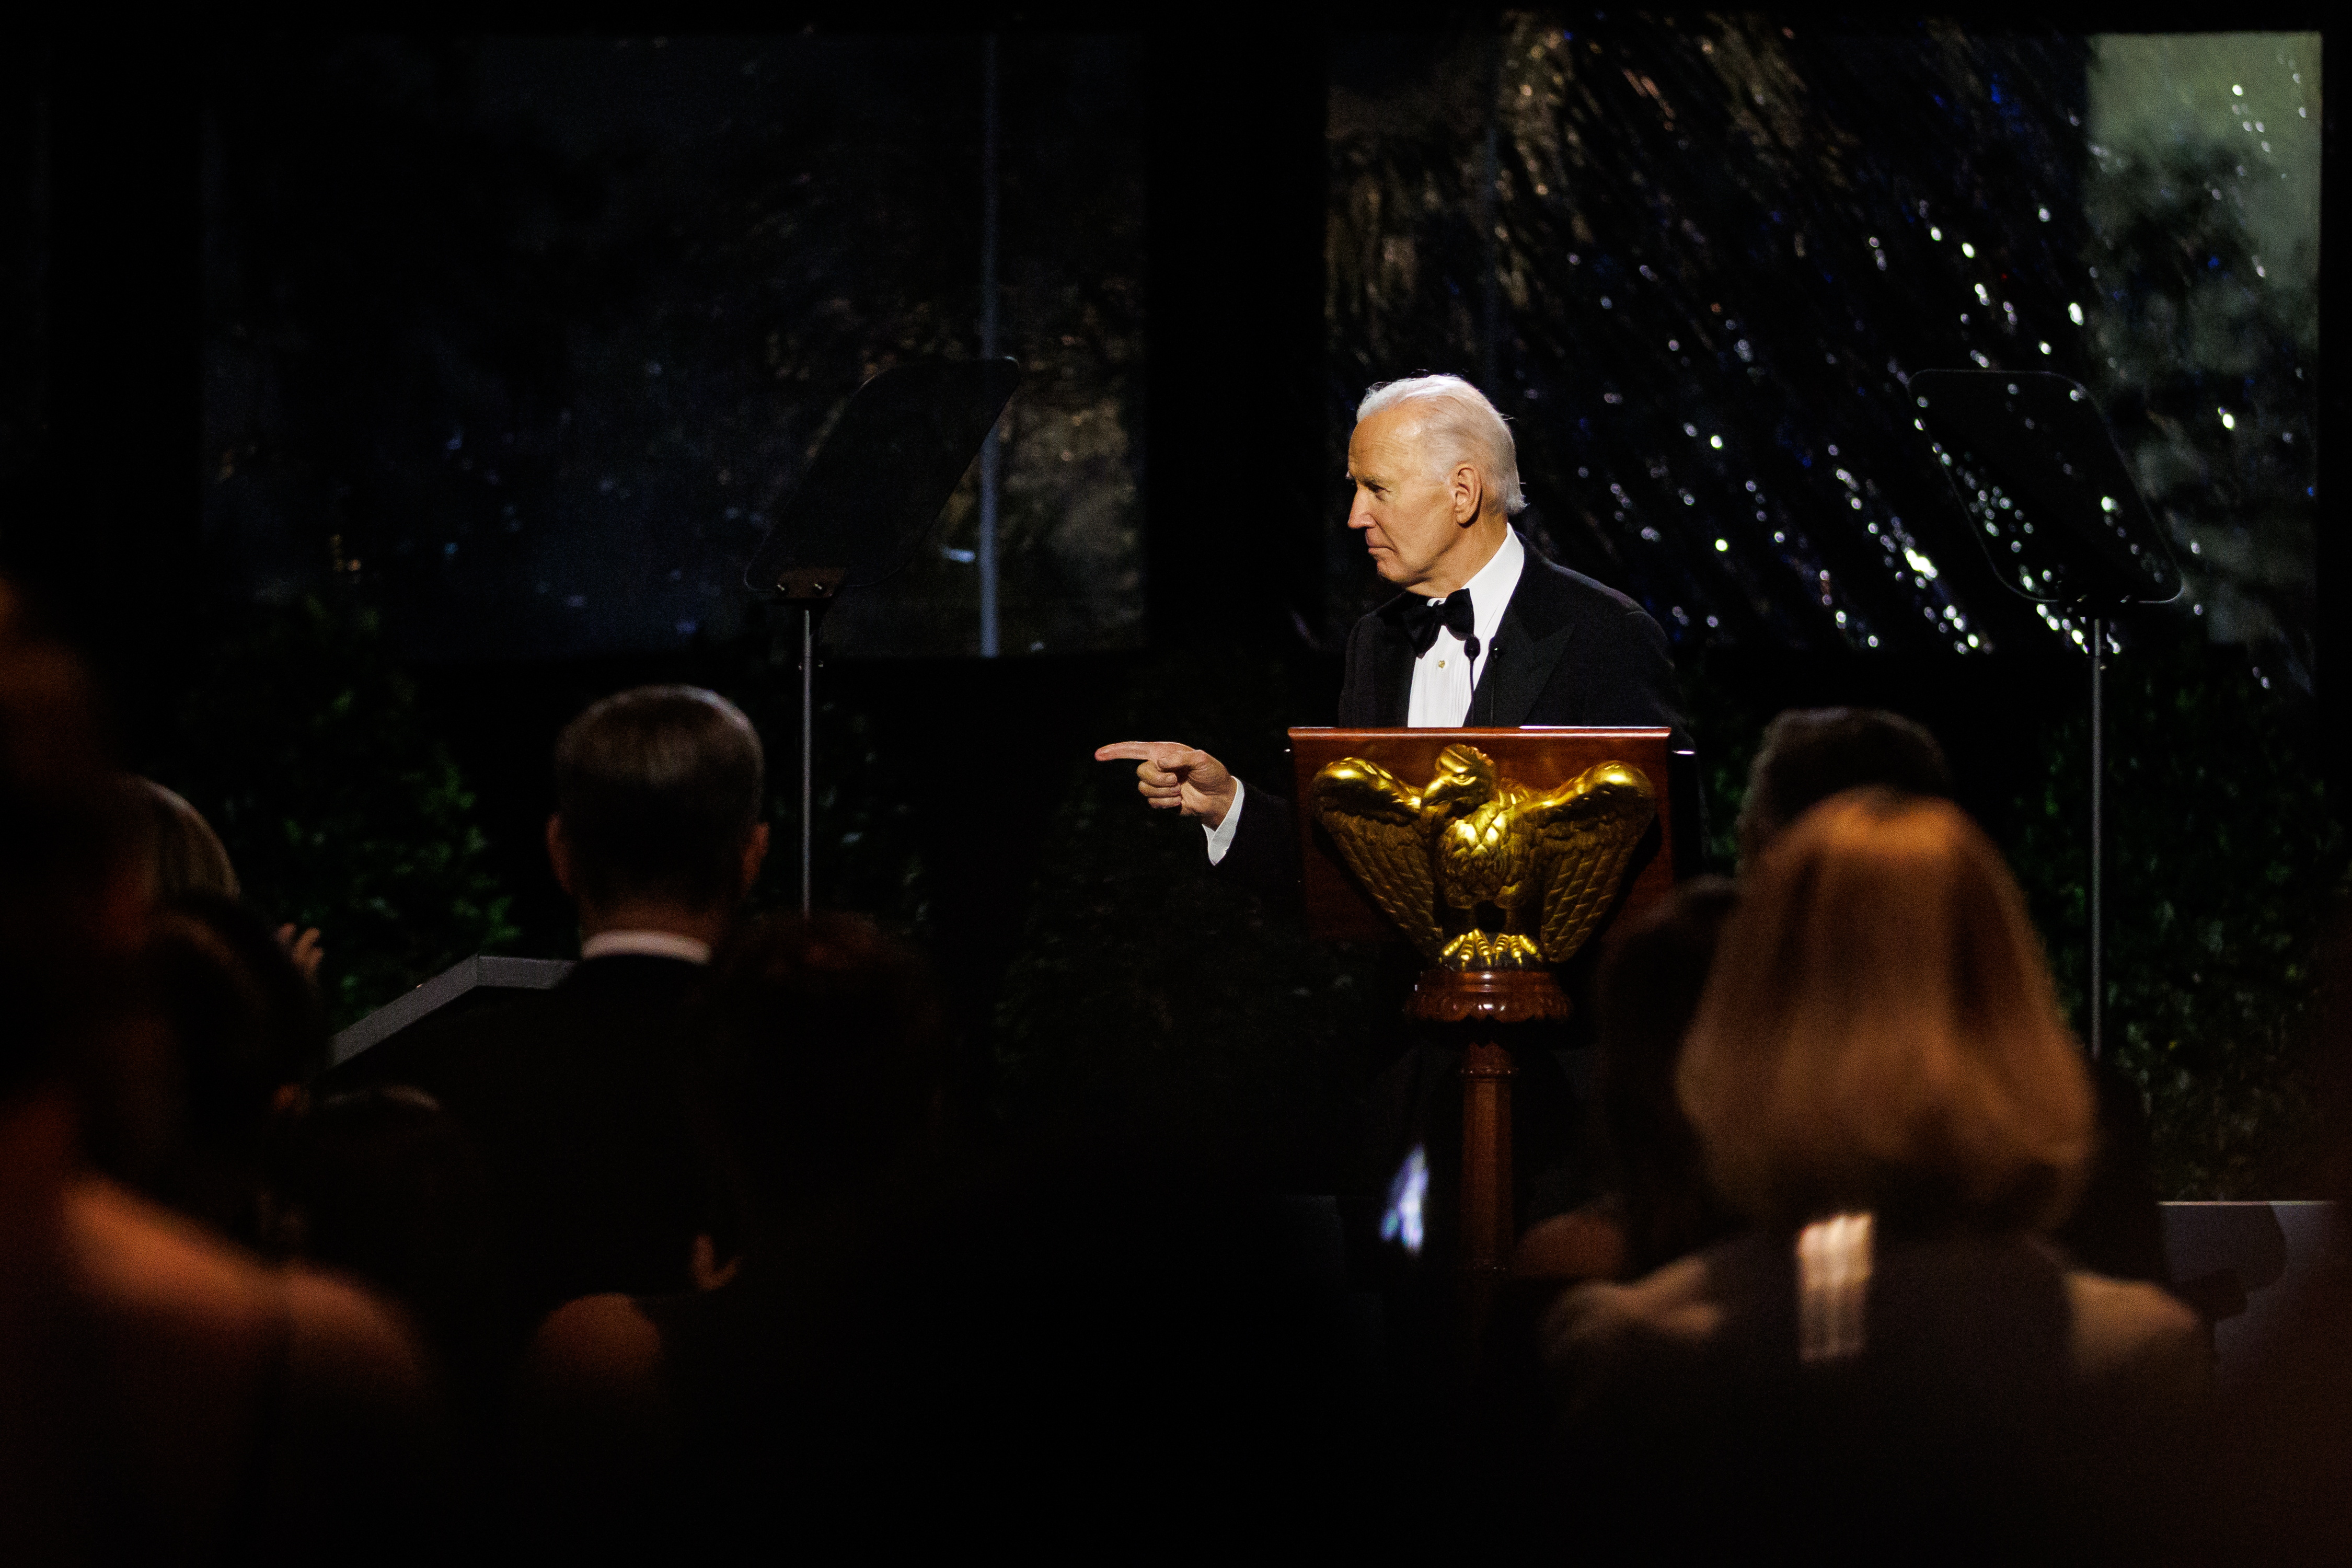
<point>816,1084</point>
<point>1652,970</point>
<point>574,1096</point>
<point>1053,1356</point>
<point>162,1397</point>
<point>1660,1207</point>
<point>385,1186</point>
<point>1879,1037</point>
<point>1649,988</point>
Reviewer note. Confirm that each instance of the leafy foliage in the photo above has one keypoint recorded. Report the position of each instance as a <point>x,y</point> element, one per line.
<point>2224,866</point>
<point>307,750</point>
<point>2206,386</point>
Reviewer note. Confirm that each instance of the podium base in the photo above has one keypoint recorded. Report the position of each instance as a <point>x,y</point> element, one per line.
<point>1489,995</point>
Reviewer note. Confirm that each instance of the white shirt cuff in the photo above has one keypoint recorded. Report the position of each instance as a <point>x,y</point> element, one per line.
<point>1221,837</point>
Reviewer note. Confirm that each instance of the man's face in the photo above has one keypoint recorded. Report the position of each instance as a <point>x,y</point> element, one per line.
<point>1413,517</point>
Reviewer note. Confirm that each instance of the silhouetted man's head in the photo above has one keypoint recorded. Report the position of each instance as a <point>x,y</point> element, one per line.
<point>1812,754</point>
<point>657,794</point>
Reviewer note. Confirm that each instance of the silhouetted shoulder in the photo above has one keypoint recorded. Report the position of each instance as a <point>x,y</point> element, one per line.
<point>597,1345</point>
<point>1549,577</point>
<point>153,1267</point>
<point>350,1343</point>
<point>1610,628</point>
<point>199,1309</point>
<point>1677,1304</point>
<point>246,1413</point>
<point>2121,1335</point>
<point>2127,1332</point>
<point>593,1432</point>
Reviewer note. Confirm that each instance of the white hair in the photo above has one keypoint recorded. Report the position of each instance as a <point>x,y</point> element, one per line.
<point>1464,424</point>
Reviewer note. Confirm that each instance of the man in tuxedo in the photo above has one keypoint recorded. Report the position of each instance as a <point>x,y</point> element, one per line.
<point>1485,632</point>
<point>574,1095</point>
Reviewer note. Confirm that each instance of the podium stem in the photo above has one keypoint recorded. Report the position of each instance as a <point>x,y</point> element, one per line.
<point>1488,1229</point>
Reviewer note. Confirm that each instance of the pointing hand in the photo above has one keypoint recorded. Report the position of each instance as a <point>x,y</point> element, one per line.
<point>1171,775</point>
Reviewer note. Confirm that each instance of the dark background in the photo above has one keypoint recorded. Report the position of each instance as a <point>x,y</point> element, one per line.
<point>374,742</point>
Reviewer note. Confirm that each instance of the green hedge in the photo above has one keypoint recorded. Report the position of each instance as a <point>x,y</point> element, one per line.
<point>340,807</point>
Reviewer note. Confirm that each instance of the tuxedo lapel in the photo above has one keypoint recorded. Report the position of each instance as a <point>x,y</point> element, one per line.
<point>1535,632</point>
<point>1391,674</point>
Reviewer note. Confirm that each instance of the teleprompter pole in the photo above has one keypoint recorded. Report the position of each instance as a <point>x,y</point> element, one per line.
<point>991,455</point>
<point>809,590</point>
<point>2095,1004</point>
<point>871,491</point>
<point>808,756</point>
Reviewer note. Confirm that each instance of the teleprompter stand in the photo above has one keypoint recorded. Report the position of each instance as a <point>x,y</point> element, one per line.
<point>1487,1014</point>
<point>2054,510</point>
<point>871,493</point>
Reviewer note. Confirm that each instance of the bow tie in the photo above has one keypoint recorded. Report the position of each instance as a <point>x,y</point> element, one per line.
<point>1422,618</point>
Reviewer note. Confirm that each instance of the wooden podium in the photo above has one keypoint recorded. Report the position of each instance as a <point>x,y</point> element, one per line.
<point>1481,1010</point>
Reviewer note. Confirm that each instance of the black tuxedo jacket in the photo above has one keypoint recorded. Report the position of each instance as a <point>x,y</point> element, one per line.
<point>575,1098</point>
<point>1568,651</point>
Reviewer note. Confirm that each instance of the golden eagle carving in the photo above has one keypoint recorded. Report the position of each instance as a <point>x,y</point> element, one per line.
<point>1431,858</point>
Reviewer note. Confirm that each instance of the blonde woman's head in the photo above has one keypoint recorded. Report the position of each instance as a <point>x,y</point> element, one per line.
<point>1879,1031</point>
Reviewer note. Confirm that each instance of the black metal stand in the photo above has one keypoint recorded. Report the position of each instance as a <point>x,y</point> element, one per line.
<point>869,495</point>
<point>2095,1004</point>
<point>809,592</point>
<point>808,757</point>
<point>2018,442</point>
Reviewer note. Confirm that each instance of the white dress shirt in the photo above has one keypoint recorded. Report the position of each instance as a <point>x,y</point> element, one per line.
<point>1443,678</point>
<point>645,944</point>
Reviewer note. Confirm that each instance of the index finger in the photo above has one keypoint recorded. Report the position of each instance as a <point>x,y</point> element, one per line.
<point>1137,750</point>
